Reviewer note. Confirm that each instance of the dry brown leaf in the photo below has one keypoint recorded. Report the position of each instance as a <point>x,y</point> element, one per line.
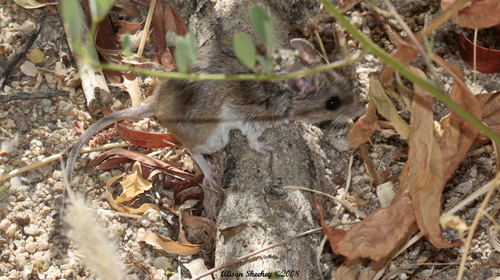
<point>385,106</point>
<point>132,86</point>
<point>168,245</point>
<point>490,110</point>
<point>141,158</point>
<point>36,56</point>
<point>133,184</point>
<point>480,14</point>
<point>380,233</point>
<point>362,131</point>
<point>203,228</point>
<point>425,164</point>
<point>458,134</point>
<point>124,209</point>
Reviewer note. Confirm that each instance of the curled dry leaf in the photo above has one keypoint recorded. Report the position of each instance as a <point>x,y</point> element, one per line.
<point>133,184</point>
<point>170,170</point>
<point>479,14</point>
<point>385,106</point>
<point>362,131</point>
<point>146,139</point>
<point>168,245</point>
<point>122,208</point>
<point>425,165</point>
<point>490,110</point>
<point>454,222</point>
<point>204,229</point>
<point>188,189</point>
<point>458,134</point>
<point>380,233</point>
<point>486,61</point>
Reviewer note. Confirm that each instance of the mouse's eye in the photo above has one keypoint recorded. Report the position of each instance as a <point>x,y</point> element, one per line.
<point>333,103</point>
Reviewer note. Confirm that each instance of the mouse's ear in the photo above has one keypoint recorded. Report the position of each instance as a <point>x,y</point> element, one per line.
<point>307,52</point>
<point>303,85</point>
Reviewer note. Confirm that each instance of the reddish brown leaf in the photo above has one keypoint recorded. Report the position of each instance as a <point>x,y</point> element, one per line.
<point>458,134</point>
<point>490,109</point>
<point>380,233</point>
<point>426,170</point>
<point>127,8</point>
<point>128,27</point>
<point>334,236</point>
<point>105,39</point>
<point>362,131</point>
<point>487,60</point>
<point>146,139</point>
<point>141,158</point>
<point>188,189</point>
<point>479,14</point>
<point>173,21</point>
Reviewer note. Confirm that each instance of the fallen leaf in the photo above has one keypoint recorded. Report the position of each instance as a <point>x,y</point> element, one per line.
<point>204,229</point>
<point>132,86</point>
<point>385,106</point>
<point>133,184</point>
<point>29,69</point>
<point>171,170</point>
<point>146,139</point>
<point>458,134</point>
<point>479,14</point>
<point>490,110</point>
<point>362,131</point>
<point>35,56</point>
<point>380,233</point>
<point>124,209</point>
<point>426,170</point>
<point>168,245</point>
<point>32,4</point>
<point>188,189</point>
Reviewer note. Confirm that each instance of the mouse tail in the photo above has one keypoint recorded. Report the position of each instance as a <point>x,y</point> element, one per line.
<point>132,113</point>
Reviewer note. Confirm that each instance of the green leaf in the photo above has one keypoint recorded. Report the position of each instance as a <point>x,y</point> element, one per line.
<point>100,8</point>
<point>266,63</point>
<point>127,46</point>
<point>263,25</point>
<point>244,49</point>
<point>72,15</point>
<point>258,17</point>
<point>186,50</point>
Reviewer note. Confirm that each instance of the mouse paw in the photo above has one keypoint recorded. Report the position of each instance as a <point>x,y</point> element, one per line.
<point>262,147</point>
<point>208,171</point>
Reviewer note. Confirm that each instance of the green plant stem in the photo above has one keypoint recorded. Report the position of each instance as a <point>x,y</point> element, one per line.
<point>425,84</point>
<point>223,77</point>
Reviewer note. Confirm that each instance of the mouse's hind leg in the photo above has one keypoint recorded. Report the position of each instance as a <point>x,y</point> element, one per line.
<point>208,173</point>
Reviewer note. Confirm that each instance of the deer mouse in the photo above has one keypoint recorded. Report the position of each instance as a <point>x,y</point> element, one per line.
<point>200,114</point>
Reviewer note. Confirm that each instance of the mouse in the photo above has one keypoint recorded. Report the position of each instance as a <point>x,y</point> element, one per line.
<point>200,114</point>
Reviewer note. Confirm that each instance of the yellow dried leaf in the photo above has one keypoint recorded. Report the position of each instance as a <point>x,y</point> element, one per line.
<point>36,56</point>
<point>133,184</point>
<point>168,245</point>
<point>385,106</point>
<point>124,209</point>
